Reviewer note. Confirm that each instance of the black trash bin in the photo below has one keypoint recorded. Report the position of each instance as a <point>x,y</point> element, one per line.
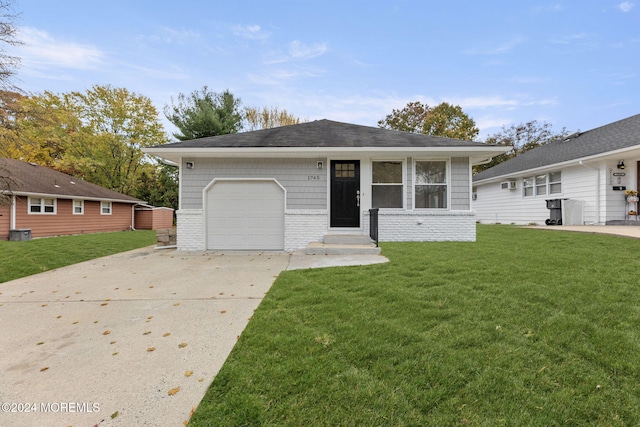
<point>555,212</point>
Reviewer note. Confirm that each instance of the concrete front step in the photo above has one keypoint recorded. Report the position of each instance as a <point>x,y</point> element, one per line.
<point>317,248</point>
<point>346,239</point>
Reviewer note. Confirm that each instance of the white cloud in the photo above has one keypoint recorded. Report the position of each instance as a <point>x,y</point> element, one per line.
<point>300,51</point>
<point>171,35</point>
<point>570,38</point>
<point>251,32</point>
<point>625,6</point>
<point>496,49</point>
<point>483,102</point>
<point>297,51</point>
<point>40,49</point>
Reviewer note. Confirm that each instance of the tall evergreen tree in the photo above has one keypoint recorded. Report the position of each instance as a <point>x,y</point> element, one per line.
<point>204,113</point>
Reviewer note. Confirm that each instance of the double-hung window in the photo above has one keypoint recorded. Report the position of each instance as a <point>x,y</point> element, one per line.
<point>542,185</point>
<point>387,185</point>
<point>78,207</point>
<point>105,208</point>
<point>40,205</point>
<point>431,186</point>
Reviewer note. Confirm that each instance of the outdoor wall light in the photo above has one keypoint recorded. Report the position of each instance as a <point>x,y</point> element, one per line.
<point>189,165</point>
<point>320,165</point>
<point>621,164</point>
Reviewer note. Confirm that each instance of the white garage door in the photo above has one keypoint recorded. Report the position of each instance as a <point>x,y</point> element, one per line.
<point>245,215</point>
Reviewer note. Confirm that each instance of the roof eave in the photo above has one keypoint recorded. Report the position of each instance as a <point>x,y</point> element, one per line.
<point>71,197</point>
<point>578,160</point>
<point>175,154</point>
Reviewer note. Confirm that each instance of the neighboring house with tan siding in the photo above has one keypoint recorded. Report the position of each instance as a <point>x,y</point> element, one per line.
<point>286,187</point>
<point>51,203</point>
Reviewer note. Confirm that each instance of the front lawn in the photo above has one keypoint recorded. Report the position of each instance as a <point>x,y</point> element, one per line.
<point>20,259</point>
<point>522,328</point>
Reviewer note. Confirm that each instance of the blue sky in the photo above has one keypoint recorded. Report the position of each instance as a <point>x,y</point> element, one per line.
<point>574,64</point>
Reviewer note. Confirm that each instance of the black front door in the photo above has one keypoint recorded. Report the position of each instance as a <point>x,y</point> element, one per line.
<point>345,193</point>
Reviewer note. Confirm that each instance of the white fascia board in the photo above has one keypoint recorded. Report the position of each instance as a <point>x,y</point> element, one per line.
<point>174,155</point>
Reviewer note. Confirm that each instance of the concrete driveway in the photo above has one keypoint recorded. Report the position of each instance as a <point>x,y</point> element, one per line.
<point>133,339</point>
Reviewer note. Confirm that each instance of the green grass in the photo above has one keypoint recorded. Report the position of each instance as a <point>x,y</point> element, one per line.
<point>24,258</point>
<point>522,328</point>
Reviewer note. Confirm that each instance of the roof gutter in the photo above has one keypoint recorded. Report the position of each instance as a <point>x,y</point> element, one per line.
<point>12,219</point>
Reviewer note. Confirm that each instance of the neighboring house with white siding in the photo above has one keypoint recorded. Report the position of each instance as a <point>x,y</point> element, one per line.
<point>283,188</point>
<point>589,171</point>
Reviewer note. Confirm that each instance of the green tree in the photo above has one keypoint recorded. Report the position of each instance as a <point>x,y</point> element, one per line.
<point>8,67</point>
<point>117,124</point>
<point>444,120</point>
<point>159,186</point>
<point>521,137</point>
<point>267,118</point>
<point>204,113</point>
<point>40,128</point>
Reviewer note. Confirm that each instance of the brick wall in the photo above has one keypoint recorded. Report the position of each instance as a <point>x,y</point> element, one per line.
<point>190,230</point>
<point>414,226</point>
<point>304,226</point>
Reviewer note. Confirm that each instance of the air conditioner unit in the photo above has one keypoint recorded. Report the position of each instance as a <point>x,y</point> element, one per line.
<point>508,185</point>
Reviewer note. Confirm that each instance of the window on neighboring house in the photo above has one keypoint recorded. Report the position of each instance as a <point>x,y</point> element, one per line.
<point>105,208</point>
<point>555,185</point>
<point>78,207</point>
<point>387,185</point>
<point>431,184</point>
<point>542,185</point>
<point>39,205</point>
<point>527,187</point>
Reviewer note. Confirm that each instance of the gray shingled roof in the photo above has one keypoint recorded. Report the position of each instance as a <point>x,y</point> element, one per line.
<point>29,178</point>
<point>322,133</point>
<point>614,136</point>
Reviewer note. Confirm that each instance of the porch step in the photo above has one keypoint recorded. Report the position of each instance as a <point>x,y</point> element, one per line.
<point>318,248</point>
<point>346,239</point>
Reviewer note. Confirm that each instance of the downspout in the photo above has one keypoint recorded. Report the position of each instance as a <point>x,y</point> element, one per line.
<point>133,217</point>
<point>597,191</point>
<point>12,218</point>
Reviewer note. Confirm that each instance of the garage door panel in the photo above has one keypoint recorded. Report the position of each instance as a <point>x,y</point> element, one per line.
<point>245,215</point>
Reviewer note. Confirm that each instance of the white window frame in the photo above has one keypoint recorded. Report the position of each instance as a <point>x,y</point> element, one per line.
<point>74,206</point>
<point>403,183</point>
<point>447,183</point>
<point>552,183</point>
<point>535,185</point>
<point>42,206</point>
<point>108,206</point>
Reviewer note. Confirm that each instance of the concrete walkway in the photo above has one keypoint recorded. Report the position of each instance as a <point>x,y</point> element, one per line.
<point>132,339</point>
<point>617,230</point>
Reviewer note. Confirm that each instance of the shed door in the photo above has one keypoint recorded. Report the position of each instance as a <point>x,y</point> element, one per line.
<point>245,215</point>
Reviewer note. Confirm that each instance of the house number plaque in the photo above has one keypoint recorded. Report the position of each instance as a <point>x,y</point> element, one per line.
<point>313,178</point>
